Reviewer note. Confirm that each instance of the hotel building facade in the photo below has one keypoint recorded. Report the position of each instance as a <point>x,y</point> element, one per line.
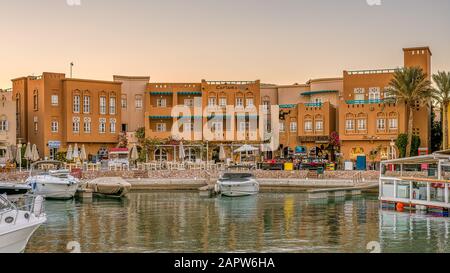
<point>55,112</point>
<point>7,121</point>
<point>204,103</point>
<point>367,124</point>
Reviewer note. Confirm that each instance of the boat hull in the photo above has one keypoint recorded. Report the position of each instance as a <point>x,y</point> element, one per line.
<point>237,189</point>
<point>16,240</point>
<point>55,190</point>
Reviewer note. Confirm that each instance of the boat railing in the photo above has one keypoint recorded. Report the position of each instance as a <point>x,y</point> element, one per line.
<point>413,190</point>
<point>28,203</point>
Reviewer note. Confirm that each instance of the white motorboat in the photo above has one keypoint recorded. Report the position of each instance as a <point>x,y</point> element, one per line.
<point>234,184</point>
<point>14,191</point>
<point>47,178</point>
<point>17,225</point>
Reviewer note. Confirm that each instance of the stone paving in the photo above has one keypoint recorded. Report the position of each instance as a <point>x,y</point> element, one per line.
<point>199,174</point>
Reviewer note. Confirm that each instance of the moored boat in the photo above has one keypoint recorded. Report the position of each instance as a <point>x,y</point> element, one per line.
<point>17,225</point>
<point>14,191</point>
<point>416,183</point>
<point>114,187</point>
<point>47,178</point>
<point>235,184</point>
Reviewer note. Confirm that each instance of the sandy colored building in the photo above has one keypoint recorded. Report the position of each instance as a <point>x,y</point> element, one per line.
<point>308,113</point>
<point>7,121</point>
<point>132,101</point>
<point>367,124</point>
<point>56,112</point>
<point>212,97</point>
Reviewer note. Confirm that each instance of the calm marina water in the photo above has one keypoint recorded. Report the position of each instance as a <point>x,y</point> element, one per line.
<point>269,222</point>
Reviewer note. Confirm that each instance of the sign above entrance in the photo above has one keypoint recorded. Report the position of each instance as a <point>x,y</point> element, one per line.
<point>54,144</point>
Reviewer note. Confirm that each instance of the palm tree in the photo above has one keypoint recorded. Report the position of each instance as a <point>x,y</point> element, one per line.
<point>442,95</point>
<point>409,86</point>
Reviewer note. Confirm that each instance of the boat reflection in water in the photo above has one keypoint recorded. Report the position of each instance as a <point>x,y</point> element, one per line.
<point>414,232</point>
<point>239,209</point>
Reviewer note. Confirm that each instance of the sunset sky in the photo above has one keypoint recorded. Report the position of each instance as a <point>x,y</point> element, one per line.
<point>276,41</point>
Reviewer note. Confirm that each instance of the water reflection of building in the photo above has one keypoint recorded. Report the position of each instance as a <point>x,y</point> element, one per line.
<point>183,222</point>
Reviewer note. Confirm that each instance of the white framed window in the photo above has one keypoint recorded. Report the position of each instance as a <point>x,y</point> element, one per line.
<point>103,105</point>
<point>360,94</point>
<point>112,105</point>
<point>55,100</point>
<point>223,102</point>
<point>76,125</point>
<point>36,126</point>
<point>124,102</point>
<point>308,125</point>
<point>362,124</point>
<point>266,105</point>
<point>250,102</point>
<point>393,123</point>
<point>217,126</point>
<point>319,125</point>
<point>350,124</point>
<point>189,102</point>
<point>239,102</point>
<point>282,128</point>
<point>54,126</point>
<point>87,125</point>
<point>161,103</point>
<point>293,126</point>
<point>160,127</point>
<point>87,105</point>
<point>138,102</point>
<point>76,104</point>
<point>3,125</point>
<point>102,126</point>
<point>212,101</point>
<point>374,93</point>
<point>381,124</point>
<point>112,125</point>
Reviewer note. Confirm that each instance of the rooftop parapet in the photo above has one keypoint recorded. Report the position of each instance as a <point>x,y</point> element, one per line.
<point>373,71</point>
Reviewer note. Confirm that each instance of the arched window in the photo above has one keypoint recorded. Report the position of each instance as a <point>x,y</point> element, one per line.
<point>249,99</point>
<point>223,100</point>
<point>161,155</point>
<point>35,100</point>
<point>361,120</point>
<point>239,99</point>
<point>393,121</point>
<point>212,99</point>
<point>3,123</point>
<point>381,122</point>
<point>318,119</point>
<point>308,126</point>
<point>350,122</point>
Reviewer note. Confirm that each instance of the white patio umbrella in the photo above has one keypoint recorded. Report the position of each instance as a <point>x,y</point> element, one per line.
<point>76,153</point>
<point>222,154</point>
<point>69,153</point>
<point>246,148</point>
<point>134,153</point>
<point>9,156</point>
<point>34,153</point>
<point>28,154</point>
<point>19,158</point>
<point>182,154</point>
<point>83,155</point>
